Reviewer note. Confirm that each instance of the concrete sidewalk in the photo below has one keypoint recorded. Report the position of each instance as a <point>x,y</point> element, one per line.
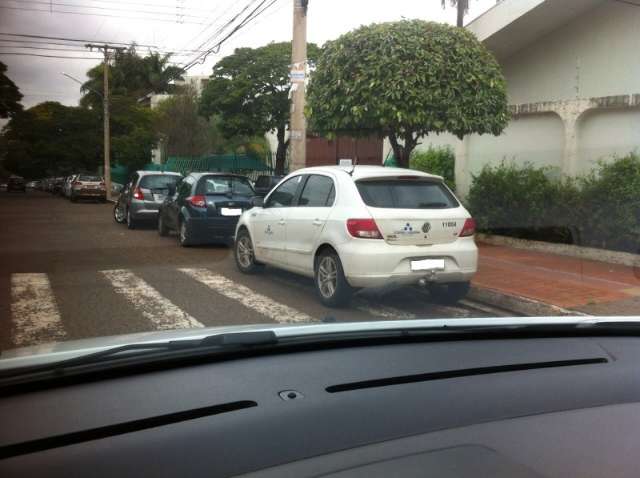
<point>580,285</point>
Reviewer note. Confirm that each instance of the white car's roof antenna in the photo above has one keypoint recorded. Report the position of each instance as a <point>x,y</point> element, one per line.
<point>345,163</point>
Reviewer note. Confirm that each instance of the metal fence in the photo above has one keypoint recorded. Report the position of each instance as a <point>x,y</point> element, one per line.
<point>247,165</point>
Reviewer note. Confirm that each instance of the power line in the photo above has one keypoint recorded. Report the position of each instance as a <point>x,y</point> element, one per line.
<point>82,40</point>
<point>139,4</point>
<point>72,50</point>
<point>53,56</point>
<point>215,34</point>
<point>28,47</point>
<point>79,40</point>
<point>227,24</point>
<point>210,24</point>
<point>130,10</point>
<point>147,19</point>
<point>255,13</point>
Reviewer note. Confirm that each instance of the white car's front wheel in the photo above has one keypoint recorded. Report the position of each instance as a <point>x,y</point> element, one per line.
<point>244,254</point>
<point>331,284</point>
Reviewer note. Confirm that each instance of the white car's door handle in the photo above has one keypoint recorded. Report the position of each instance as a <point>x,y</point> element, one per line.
<point>317,222</point>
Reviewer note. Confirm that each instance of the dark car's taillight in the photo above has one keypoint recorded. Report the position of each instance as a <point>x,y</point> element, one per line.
<point>137,194</point>
<point>197,201</point>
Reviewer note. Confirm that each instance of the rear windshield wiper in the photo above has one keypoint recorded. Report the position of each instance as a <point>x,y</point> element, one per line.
<point>213,343</point>
<point>434,205</point>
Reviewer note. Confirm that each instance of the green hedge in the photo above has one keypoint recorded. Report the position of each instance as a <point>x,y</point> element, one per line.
<point>440,161</point>
<point>601,209</point>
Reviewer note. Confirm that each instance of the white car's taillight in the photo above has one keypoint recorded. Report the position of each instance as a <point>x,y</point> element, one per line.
<point>469,228</point>
<point>363,228</point>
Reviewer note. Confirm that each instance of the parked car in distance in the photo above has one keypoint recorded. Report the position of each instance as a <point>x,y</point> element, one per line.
<point>264,184</point>
<point>87,186</point>
<point>33,185</point>
<point>206,207</point>
<point>58,185</point>
<point>16,184</point>
<point>68,185</point>
<point>363,226</point>
<point>142,196</point>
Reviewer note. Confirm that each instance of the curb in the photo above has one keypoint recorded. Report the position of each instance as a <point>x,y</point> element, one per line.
<point>567,250</point>
<point>518,304</point>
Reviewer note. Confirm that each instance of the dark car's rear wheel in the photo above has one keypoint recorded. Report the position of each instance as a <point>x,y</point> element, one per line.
<point>244,253</point>
<point>449,294</point>
<point>331,285</point>
<point>118,214</point>
<point>163,230</point>
<point>184,236</point>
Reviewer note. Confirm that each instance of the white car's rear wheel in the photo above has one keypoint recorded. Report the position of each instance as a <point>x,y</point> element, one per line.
<point>331,285</point>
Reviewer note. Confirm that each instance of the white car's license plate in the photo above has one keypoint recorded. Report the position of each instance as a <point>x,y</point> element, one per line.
<point>225,211</point>
<point>428,265</point>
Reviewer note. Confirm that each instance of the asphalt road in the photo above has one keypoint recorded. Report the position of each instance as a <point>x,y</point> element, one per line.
<point>68,271</point>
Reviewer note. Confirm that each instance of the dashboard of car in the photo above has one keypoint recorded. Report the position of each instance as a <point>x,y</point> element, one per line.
<point>553,407</point>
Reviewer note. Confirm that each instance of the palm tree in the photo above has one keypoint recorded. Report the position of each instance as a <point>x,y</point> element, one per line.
<point>132,75</point>
<point>463,8</point>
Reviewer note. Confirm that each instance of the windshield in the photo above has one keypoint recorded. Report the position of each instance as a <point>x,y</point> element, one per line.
<point>224,185</point>
<point>195,164</point>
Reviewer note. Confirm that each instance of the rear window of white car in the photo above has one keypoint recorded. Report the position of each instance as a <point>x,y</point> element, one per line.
<point>406,194</point>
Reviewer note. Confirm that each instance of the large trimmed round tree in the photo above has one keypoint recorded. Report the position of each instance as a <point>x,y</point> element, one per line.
<point>404,80</point>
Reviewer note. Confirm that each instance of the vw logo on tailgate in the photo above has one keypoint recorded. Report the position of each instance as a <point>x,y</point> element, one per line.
<point>426,227</point>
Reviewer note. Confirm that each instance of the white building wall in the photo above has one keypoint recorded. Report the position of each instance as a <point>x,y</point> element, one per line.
<point>594,55</point>
<point>603,135</point>
<point>538,140</point>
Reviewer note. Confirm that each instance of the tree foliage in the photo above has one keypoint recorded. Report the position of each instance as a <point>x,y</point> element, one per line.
<point>132,133</point>
<point>600,209</point>
<point>10,95</point>
<point>131,75</point>
<point>250,91</point>
<point>182,130</point>
<point>51,138</point>
<point>405,80</point>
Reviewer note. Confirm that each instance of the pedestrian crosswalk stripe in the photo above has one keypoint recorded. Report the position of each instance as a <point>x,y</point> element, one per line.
<point>34,311</point>
<point>163,313</point>
<point>247,297</point>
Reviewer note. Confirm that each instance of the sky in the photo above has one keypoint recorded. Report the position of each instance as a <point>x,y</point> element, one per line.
<point>172,25</point>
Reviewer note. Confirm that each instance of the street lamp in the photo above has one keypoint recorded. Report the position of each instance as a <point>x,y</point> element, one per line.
<point>81,83</point>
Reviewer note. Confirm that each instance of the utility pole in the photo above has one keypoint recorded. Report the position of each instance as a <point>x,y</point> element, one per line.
<point>105,104</point>
<point>298,126</point>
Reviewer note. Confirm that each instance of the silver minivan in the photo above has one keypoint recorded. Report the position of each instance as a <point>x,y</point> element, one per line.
<point>141,198</point>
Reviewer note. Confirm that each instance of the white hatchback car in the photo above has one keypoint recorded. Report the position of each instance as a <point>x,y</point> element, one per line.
<point>363,226</point>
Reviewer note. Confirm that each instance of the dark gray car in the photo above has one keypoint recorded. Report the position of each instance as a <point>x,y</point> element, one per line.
<point>142,196</point>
